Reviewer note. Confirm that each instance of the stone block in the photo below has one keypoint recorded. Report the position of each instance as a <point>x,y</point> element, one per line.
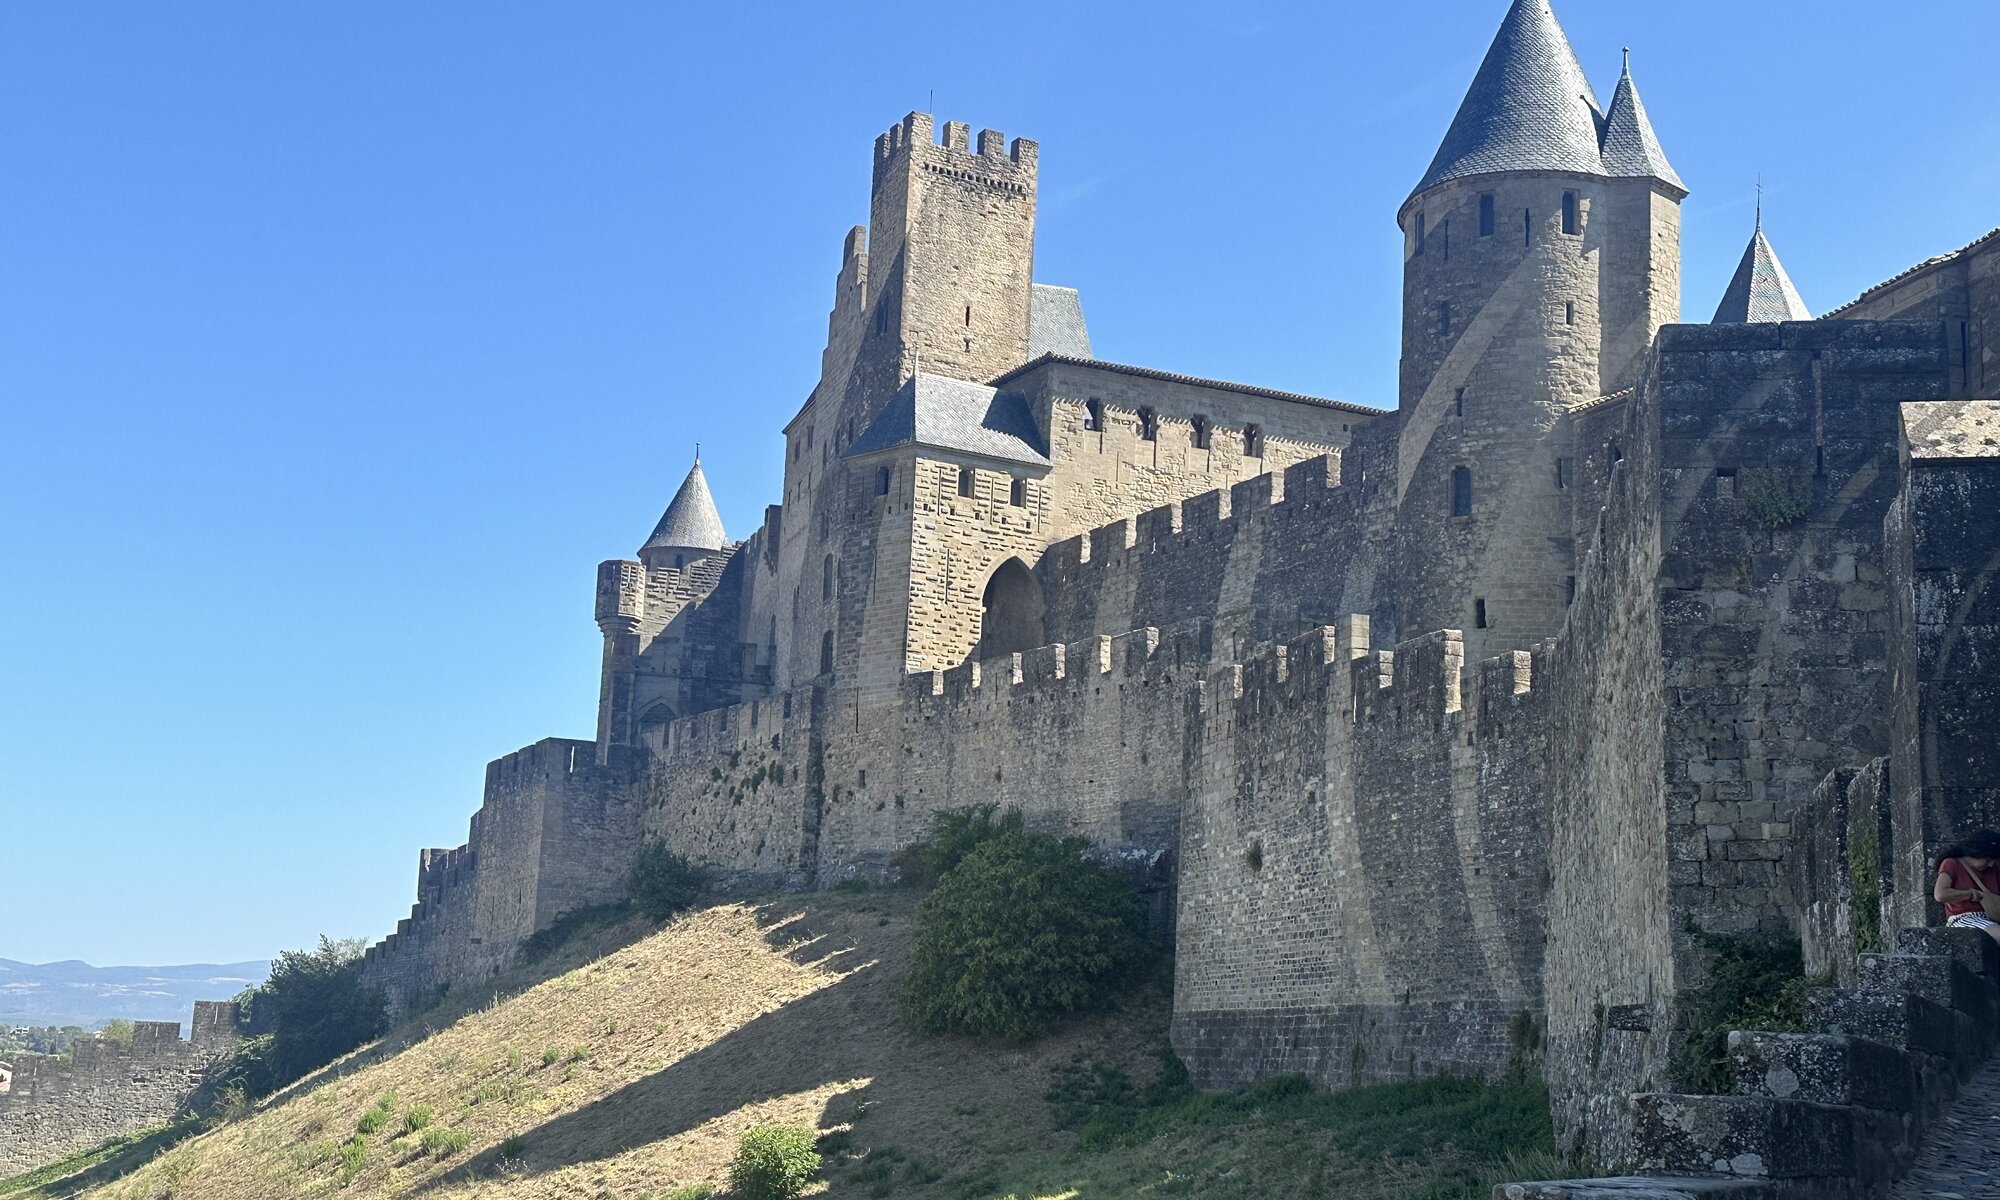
<point>1765,1138</point>
<point>1638,1187</point>
<point>1973,950</point>
<point>1942,980</point>
<point>1822,1068</point>
<point>1900,1019</point>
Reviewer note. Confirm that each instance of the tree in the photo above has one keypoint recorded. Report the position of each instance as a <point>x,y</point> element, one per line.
<point>316,1008</point>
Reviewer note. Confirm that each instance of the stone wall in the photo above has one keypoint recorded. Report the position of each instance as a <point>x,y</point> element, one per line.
<point>1960,291</point>
<point>53,1105</point>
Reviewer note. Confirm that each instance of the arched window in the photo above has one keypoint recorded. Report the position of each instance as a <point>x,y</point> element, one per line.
<point>1200,430</point>
<point>1017,493</point>
<point>1012,616</point>
<point>965,481</point>
<point>1149,425</point>
<point>826,653</point>
<point>826,578</point>
<point>653,726</point>
<point>1093,414</point>
<point>1461,491</point>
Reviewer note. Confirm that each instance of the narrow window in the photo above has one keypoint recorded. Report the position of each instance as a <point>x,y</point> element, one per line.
<point>968,316</point>
<point>1253,441</point>
<point>1479,614</point>
<point>1486,215</point>
<point>1617,453</point>
<point>863,782</point>
<point>1527,227</point>
<point>1569,585</point>
<point>1017,493</point>
<point>1725,483</point>
<point>1562,473</point>
<point>965,481</point>
<point>1458,403</point>
<point>882,478</point>
<point>826,578</point>
<point>826,653</point>
<point>1569,312</point>
<point>1444,319</point>
<point>1093,414</point>
<point>1569,212</point>
<point>680,561</point>
<point>1420,233</point>
<point>1199,426</point>
<point>881,318</point>
<point>1461,491</point>
<point>1444,237</point>
<point>1149,425</point>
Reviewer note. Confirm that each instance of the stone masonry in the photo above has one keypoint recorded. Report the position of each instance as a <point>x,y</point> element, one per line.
<point>1436,735</point>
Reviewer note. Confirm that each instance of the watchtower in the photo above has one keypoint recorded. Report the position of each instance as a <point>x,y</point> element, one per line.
<point>1541,255</point>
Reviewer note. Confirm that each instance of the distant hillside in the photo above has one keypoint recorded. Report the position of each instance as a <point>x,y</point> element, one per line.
<point>76,993</point>
<point>628,1069</point>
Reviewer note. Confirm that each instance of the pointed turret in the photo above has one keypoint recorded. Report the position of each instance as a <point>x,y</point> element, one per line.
<point>1529,108</point>
<point>690,529</point>
<point>1760,289</point>
<point>1630,147</point>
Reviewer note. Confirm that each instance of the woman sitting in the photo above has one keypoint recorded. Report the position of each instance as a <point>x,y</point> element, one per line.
<point>1968,874</point>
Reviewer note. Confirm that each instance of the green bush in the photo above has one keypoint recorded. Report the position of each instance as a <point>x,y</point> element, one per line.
<point>417,1118</point>
<point>1756,981</point>
<point>443,1143</point>
<point>662,884</point>
<point>1023,930</point>
<point>954,834</point>
<point>773,1162</point>
<point>1864,873</point>
<point>569,926</point>
<point>313,1009</point>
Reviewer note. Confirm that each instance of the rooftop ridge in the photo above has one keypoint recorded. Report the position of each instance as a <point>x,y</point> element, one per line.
<point>1877,289</point>
<point>1171,377</point>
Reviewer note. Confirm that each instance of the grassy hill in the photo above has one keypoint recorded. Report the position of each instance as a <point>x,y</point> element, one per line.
<point>632,1066</point>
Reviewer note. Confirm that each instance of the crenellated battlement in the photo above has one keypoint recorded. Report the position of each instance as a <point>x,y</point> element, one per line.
<point>992,162</point>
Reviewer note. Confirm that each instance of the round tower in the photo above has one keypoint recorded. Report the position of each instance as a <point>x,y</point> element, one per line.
<point>1541,255</point>
<point>689,530</point>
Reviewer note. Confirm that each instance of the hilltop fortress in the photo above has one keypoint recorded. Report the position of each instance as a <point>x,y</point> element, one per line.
<point>1438,734</point>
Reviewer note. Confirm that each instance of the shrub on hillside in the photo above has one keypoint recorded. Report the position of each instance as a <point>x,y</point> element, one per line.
<point>315,1007</point>
<point>661,883</point>
<point>773,1162</point>
<point>1022,931</point>
<point>954,833</point>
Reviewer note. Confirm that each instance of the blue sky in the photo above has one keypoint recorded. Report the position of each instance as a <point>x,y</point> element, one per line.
<point>339,342</point>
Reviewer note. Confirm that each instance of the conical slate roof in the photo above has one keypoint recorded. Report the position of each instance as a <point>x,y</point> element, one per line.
<point>691,520</point>
<point>1529,108</point>
<point>1629,146</point>
<point>1760,290</point>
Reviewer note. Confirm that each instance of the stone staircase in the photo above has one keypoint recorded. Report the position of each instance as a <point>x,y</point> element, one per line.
<point>1838,1113</point>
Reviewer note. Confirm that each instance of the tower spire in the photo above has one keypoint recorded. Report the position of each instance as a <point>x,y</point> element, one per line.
<point>1760,290</point>
<point>1630,148</point>
<point>691,527</point>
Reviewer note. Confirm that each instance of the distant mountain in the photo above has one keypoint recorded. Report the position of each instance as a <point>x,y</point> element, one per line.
<point>76,993</point>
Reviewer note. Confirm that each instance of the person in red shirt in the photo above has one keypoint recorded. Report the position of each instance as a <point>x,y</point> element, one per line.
<point>1967,873</point>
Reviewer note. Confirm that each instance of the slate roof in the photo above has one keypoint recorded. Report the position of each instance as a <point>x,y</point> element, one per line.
<point>1530,108</point>
<point>1194,380</point>
<point>1760,289</point>
<point>951,414</point>
<point>1055,322</point>
<point>1899,276</point>
<point>691,519</point>
<point>1629,145</point>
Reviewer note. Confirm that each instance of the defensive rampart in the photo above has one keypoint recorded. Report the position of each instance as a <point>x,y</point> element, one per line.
<point>54,1105</point>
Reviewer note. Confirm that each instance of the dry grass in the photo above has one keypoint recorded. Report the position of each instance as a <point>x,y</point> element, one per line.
<point>659,1054</point>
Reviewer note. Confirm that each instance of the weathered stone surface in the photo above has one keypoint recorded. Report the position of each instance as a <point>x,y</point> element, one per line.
<point>1650,1187</point>
<point>1760,1137</point>
<point>1822,1068</point>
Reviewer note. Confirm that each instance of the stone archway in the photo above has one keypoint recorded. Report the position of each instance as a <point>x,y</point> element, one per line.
<point>1012,616</point>
<point>653,724</point>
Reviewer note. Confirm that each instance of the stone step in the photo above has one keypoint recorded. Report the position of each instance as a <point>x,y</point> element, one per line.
<point>1941,979</point>
<point>1824,1068</point>
<point>1638,1187</point>
<point>1757,1137</point>
<point>1897,1018</point>
<point>1978,953</point>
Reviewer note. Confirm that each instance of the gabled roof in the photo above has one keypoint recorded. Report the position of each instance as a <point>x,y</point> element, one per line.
<point>1760,289</point>
<point>1529,108</point>
<point>953,415</point>
<point>1630,147</point>
<point>691,520</point>
<point>1055,322</point>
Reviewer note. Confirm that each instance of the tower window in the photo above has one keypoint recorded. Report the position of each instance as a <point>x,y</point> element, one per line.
<point>1253,441</point>
<point>1479,613</point>
<point>1461,491</point>
<point>825,653</point>
<point>1527,227</point>
<point>826,578</point>
<point>1420,233</point>
<point>1562,473</point>
<point>1199,428</point>
<point>680,560</point>
<point>1149,425</point>
<point>882,478</point>
<point>1017,493</point>
<point>1444,319</point>
<point>965,481</point>
<point>1569,585</point>
<point>1569,312</point>
<point>1569,212</point>
<point>1458,403</point>
<point>1093,414</point>
<point>1444,237</point>
<point>881,318</point>
<point>1486,215</point>
<point>968,316</point>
